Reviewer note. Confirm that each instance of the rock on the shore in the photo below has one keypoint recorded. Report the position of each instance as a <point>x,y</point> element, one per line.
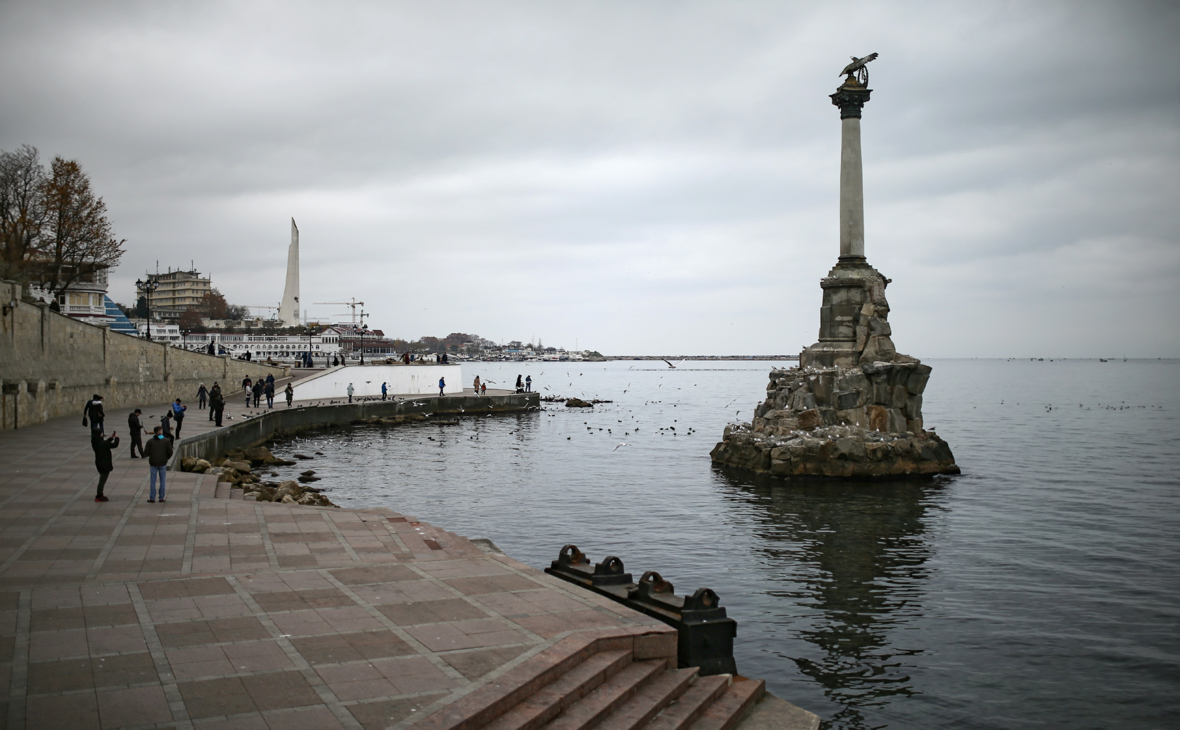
<point>578,403</point>
<point>195,465</point>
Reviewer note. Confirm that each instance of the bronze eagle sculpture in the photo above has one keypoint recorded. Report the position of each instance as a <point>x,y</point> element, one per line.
<point>857,69</point>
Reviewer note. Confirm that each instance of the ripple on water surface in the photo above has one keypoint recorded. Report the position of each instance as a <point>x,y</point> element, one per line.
<point>1040,589</point>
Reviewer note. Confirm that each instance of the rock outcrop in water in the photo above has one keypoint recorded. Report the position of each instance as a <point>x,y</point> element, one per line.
<point>853,407</point>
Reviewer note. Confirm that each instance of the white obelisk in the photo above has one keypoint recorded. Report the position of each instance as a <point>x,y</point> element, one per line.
<point>289,311</point>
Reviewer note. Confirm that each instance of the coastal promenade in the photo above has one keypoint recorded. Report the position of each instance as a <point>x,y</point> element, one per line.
<point>212,612</point>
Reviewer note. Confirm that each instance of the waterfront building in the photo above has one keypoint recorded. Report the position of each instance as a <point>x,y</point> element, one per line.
<point>285,349</point>
<point>177,291</point>
<point>87,301</point>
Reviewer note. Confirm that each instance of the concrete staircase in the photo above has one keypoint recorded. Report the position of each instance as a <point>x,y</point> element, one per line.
<point>606,682</point>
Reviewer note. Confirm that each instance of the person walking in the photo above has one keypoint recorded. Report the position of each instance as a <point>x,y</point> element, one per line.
<point>442,384</point>
<point>270,378</point>
<point>257,392</point>
<point>216,388</point>
<point>135,427</point>
<point>519,385</point>
<point>178,415</point>
<point>246,385</point>
<point>93,411</point>
<point>528,384</point>
<point>483,388</point>
<point>384,390</point>
<point>202,397</point>
<point>216,404</point>
<point>159,451</point>
<point>269,391</point>
<point>475,385</point>
<point>166,424</point>
<point>290,393</point>
<point>350,392</point>
<point>102,459</point>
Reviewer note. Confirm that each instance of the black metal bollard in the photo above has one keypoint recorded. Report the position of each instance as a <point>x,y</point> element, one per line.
<point>704,632</point>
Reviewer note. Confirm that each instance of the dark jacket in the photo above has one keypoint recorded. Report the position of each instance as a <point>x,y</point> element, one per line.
<point>216,402</point>
<point>166,423</point>
<point>93,411</point>
<point>102,451</point>
<point>133,424</point>
<point>269,390</point>
<point>158,450</point>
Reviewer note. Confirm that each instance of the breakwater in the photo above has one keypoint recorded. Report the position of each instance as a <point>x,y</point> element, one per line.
<point>247,433</point>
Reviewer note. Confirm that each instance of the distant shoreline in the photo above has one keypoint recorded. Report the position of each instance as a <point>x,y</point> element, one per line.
<point>677,358</point>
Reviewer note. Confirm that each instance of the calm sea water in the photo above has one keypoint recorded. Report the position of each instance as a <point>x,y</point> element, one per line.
<point>1040,589</point>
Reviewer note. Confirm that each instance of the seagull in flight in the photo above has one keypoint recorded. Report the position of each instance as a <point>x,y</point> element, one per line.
<point>621,445</point>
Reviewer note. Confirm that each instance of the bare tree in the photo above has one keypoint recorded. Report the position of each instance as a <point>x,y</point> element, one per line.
<point>213,305</point>
<point>77,241</point>
<point>22,210</point>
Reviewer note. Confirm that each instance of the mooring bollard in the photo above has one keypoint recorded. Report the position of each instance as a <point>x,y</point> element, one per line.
<point>704,632</point>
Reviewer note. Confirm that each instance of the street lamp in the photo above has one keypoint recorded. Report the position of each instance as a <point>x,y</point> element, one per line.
<point>145,289</point>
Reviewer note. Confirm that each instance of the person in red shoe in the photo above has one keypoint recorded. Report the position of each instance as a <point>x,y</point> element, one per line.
<point>102,459</point>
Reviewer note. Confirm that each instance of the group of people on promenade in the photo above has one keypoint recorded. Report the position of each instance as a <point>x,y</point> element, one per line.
<point>158,449</point>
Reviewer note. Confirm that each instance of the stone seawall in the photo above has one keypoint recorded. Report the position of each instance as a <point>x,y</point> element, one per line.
<point>50,366</point>
<point>244,434</point>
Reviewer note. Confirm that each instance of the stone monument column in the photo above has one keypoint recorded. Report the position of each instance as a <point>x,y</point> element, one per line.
<point>851,98</point>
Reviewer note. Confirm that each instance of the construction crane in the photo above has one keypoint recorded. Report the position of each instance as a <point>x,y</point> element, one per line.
<point>353,304</point>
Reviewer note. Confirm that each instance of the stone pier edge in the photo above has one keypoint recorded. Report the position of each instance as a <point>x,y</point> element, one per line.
<point>256,430</point>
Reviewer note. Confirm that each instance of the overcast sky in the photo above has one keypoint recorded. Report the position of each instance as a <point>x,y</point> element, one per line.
<point>632,177</point>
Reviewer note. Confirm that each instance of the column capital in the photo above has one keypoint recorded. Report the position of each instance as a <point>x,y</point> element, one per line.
<point>850,99</point>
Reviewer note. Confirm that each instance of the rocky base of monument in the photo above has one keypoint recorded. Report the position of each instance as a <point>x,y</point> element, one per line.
<point>860,421</point>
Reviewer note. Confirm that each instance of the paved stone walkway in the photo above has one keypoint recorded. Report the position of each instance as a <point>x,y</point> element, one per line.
<point>214,613</point>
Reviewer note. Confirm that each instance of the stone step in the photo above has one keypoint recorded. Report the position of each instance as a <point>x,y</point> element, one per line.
<point>662,690</point>
<point>221,491</point>
<point>732,706</point>
<point>599,704</point>
<point>548,702</point>
<point>688,708</point>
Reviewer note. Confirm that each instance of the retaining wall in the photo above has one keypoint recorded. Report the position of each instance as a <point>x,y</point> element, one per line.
<point>245,434</point>
<point>50,366</point>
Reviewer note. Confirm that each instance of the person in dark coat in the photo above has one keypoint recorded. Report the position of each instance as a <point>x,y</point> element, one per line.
<point>290,393</point>
<point>216,404</point>
<point>159,451</point>
<point>135,427</point>
<point>202,396</point>
<point>257,392</point>
<point>269,391</point>
<point>102,459</point>
<point>178,410</point>
<point>166,424</point>
<point>93,411</point>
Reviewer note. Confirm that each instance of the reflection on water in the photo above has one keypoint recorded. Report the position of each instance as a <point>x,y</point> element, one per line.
<point>859,554</point>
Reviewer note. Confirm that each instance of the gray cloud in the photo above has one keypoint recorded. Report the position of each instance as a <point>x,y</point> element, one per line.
<point>652,177</point>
